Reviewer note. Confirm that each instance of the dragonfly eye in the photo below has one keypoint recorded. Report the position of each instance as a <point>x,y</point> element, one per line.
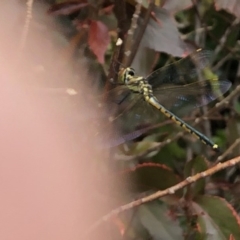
<point>131,72</point>
<point>125,75</point>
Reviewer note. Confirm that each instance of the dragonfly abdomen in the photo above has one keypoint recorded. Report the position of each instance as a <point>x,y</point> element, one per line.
<point>153,101</point>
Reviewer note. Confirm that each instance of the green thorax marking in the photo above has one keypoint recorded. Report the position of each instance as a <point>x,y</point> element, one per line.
<point>135,83</point>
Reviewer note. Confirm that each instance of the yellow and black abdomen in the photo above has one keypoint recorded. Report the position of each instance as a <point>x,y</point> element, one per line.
<point>153,101</point>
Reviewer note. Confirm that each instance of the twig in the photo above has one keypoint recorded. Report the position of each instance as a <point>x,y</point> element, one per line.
<point>229,150</point>
<point>221,43</point>
<point>130,34</point>
<point>120,13</point>
<point>225,101</point>
<point>114,65</point>
<point>200,35</point>
<point>168,191</point>
<point>221,62</point>
<point>140,34</point>
<point>222,103</point>
<point>26,24</point>
<point>224,37</point>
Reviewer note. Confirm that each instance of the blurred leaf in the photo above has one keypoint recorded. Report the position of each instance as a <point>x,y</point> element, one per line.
<point>175,150</point>
<point>218,219</point>
<point>232,6</point>
<point>163,36</point>
<point>194,166</point>
<point>109,20</point>
<point>156,218</point>
<point>98,39</point>
<point>143,178</point>
<point>175,155</point>
<point>174,6</point>
<point>151,176</point>
<point>143,146</point>
<point>67,8</point>
<point>144,60</point>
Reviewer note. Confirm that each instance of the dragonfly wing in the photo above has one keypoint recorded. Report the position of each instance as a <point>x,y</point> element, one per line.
<point>192,95</point>
<point>181,72</point>
<point>115,95</point>
<point>125,121</point>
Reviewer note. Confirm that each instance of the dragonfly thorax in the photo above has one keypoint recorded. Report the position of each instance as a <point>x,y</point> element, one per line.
<point>135,83</point>
<point>140,85</point>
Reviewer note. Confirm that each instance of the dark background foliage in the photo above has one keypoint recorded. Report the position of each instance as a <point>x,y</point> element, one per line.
<point>161,31</point>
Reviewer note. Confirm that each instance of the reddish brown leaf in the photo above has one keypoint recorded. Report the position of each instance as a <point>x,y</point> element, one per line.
<point>67,8</point>
<point>231,237</point>
<point>98,39</point>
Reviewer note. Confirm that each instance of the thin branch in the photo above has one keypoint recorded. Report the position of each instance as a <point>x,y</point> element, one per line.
<point>114,65</point>
<point>221,61</point>
<point>221,43</point>
<point>224,37</point>
<point>168,191</point>
<point>229,150</point>
<point>26,23</point>
<point>130,34</point>
<point>140,34</point>
<point>199,35</point>
<point>120,13</point>
<point>225,101</point>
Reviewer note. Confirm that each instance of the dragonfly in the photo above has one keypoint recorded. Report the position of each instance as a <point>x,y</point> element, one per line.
<point>166,90</point>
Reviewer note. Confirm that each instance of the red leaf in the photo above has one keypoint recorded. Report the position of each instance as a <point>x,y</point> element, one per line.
<point>98,39</point>
<point>67,8</point>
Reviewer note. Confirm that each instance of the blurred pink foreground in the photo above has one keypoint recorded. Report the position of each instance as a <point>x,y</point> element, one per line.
<point>49,182</point>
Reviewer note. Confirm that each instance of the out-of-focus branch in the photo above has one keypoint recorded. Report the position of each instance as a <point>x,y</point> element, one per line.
<point>224,37</point>
<point>120,13</point>
<point>139,37</point>
<point>225,101</point>
<point>26,24</point>
<point>168,191</point>
<point>130,34</point>
<point>229,150</point>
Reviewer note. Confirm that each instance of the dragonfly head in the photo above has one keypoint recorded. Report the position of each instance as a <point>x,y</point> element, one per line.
<point>125,75</point>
